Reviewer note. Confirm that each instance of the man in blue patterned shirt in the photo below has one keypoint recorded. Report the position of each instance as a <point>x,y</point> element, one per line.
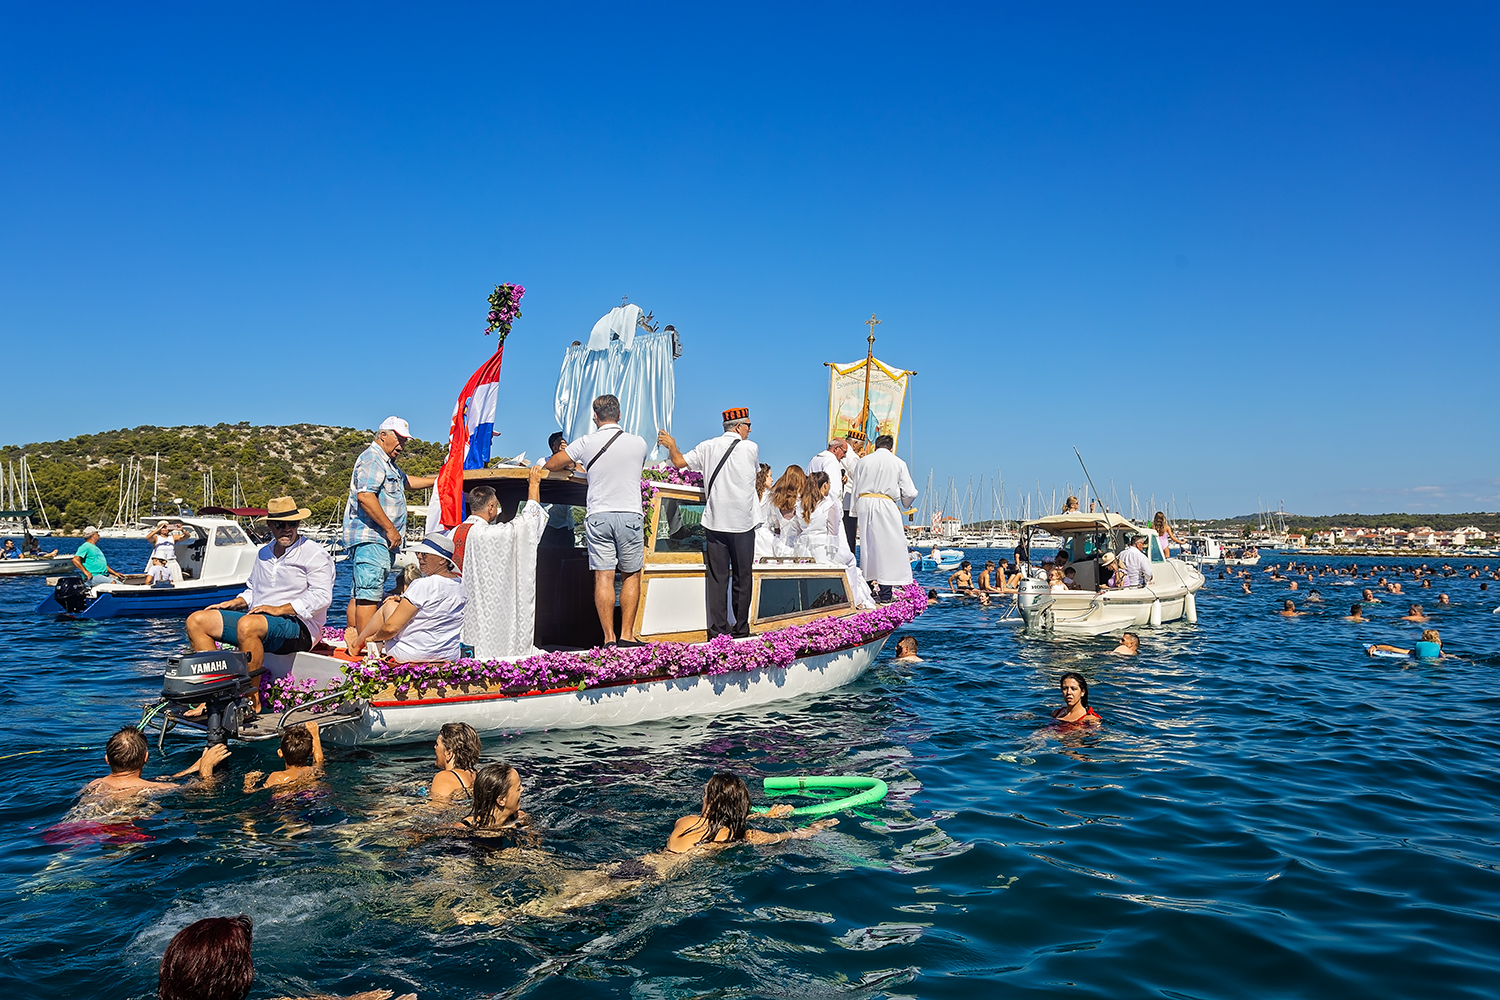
<point>375,516</point>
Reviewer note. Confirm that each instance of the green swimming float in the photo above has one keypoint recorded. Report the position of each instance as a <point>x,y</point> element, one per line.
<point>866,791</point>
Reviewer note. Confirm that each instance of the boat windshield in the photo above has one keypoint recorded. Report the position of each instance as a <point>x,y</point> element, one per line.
<point>1086,546</point>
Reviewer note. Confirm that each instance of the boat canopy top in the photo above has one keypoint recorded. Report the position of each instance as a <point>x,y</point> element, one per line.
<point>234,511</point>
<point>1062,524</point>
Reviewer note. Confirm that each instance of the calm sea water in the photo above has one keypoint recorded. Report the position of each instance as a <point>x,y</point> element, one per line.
<point>1266,812</point>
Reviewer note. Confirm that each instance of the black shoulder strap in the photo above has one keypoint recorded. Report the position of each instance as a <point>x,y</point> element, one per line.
<point>718,468</point>
<point>593,461</point>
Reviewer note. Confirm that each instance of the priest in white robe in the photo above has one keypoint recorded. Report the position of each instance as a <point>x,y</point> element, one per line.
<point>882,490</point>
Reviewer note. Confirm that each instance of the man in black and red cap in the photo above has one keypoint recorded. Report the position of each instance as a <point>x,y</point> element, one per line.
<point>728,463</point>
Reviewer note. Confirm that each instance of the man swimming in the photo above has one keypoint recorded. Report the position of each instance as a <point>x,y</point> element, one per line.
<point>126,754</point>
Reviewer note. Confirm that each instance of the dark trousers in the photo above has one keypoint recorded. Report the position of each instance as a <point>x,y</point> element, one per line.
<point>851,529</point>
<point>728,554</point>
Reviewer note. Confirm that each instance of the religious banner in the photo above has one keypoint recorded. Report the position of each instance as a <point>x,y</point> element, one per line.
<point>846,399</point>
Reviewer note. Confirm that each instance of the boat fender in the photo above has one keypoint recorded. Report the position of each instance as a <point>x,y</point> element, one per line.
<point>864,791</point>
<point>1156,612</point>
<point>1190,608</point>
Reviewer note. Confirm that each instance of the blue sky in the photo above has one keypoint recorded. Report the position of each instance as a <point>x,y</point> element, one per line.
<point>1229,252</point>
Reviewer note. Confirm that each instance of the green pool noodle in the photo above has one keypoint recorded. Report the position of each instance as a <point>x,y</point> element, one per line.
<point>867,791</point>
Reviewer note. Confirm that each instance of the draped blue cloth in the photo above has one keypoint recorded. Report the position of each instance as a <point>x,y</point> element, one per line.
<point>641,377</point>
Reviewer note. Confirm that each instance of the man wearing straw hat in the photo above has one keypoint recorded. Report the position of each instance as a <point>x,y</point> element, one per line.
<point>729,464</point>
<point>286,598</point>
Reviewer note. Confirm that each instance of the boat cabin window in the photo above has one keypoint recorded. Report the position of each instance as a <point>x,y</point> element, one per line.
<point>679,526</point>
<point>229,534</point>
<point>780,596</point>
<point>1081,547</point>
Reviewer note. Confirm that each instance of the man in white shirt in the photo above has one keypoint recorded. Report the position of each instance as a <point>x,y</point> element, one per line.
<point>880,481</point>
<point>286,598</point>
<point>728,464</point>
<point>1137,564</point>
<point>484,508</point>
<point>850,462</point>
<point>612,460</point>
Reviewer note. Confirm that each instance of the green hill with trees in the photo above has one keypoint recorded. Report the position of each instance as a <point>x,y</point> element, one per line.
<point>79,478</point>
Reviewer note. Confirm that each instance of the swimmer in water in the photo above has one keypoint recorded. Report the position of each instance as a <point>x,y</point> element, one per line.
<point>302,753</point>
<point>961,581</point>
<point>1245,587</point>
<point>1356,614</point>
<point>1430,647</point>
<point>906,650</point>
<point>1075,695</point>
<point>726,808</point>
<point>126,754</point>
<point>497,802</point>
<point>1368,596</point>
<point>1130,645</point>
<point>457,751</point>
<point>1443,599</point>
<point>1414,614</point>
<point>1313,597</point>
<point>1289,610</point>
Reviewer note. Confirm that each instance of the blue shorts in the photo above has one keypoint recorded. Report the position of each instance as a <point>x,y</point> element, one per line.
<point>283,635</point>
<point>615,541</point>
<point>372,567</point>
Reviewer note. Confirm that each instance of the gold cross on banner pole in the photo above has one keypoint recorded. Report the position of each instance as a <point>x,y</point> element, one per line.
<point>872,322</point>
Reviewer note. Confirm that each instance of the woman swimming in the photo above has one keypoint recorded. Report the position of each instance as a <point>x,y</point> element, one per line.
<point>1075,694</point>
<point>497,802</point>
<point>726,807</point>
<point>457,751</point>
<point>1429,647</point>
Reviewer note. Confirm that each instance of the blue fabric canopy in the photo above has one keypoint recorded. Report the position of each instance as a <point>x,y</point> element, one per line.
<point>641,377</point>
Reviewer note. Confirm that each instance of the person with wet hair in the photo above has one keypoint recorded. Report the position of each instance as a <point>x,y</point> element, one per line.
<point>497,802</point>
<point>906,650</point>
<point>126,753</point>
<point>302,753</point>
<point>726,808</point>
<point>1289,610</point>
<point>1075,695</point>
<point>1130,645</point>
<point>1414,614</point>
<point>208,960</point>
<point>1356,613</point>
<point>458,751</point>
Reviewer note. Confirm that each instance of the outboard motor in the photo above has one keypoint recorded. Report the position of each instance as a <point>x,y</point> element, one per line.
<point>1034,599</point>
<point>219,679</point>
<point>71,594</point>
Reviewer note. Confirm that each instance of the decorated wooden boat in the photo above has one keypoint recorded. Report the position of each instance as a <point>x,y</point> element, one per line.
<point>807,636</point>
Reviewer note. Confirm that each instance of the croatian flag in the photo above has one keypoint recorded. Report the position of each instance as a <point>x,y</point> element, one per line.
<point>470,436</point>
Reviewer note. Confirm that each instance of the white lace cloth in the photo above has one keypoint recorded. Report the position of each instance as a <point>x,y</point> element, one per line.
<point>500,582</point>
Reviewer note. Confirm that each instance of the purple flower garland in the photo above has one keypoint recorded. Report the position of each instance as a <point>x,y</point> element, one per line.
<point>596,667</point>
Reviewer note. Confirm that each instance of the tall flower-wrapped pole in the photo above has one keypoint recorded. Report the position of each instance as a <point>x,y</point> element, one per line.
<point>473,427</point>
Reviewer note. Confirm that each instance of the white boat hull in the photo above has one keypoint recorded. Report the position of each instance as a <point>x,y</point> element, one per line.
<point>1082,613</point>
<point>35,567</point>
<point>611,705</point>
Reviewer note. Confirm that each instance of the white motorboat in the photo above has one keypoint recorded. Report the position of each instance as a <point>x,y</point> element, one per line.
<point>1203,550</point>
<point>825,642</point>
<point>1085,537</point>
<point>35,567</point>
<point>216,559</point>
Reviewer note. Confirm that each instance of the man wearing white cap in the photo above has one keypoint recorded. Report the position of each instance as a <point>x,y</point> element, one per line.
<point>424,623</point>
<point>375,515</point>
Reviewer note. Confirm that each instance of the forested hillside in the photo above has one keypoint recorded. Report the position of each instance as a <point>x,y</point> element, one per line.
<point>79,478</point>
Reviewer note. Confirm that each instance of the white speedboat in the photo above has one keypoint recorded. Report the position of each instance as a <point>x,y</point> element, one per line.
<point>807,636</point>
<point>216,559</point>
<point>1086,537</point>
<point>35,567</point>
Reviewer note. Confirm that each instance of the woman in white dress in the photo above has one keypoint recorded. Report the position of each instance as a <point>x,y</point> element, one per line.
<point>786,509</point>
<point>823,536</point>
<point>765,514</point>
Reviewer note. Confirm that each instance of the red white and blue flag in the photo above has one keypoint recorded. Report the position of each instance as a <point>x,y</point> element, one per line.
<point>470,436</point>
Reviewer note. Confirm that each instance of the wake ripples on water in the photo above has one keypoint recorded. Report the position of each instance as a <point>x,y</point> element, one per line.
<point>1265,811</point>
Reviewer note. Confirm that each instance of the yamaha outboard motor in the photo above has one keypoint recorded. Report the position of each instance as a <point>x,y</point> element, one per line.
<point>219,679</point>
<point>71,594</point>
